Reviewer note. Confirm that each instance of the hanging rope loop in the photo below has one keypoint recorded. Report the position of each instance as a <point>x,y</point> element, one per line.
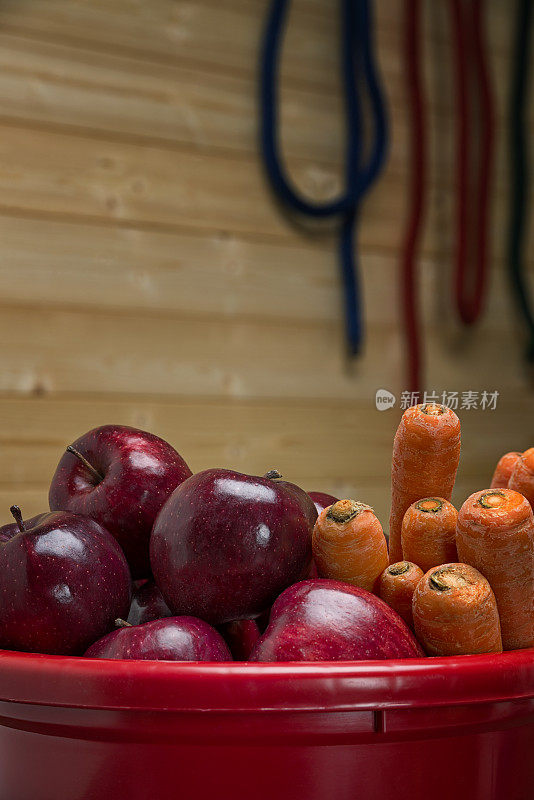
<point>359,75</point>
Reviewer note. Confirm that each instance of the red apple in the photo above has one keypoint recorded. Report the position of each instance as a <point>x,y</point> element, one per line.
<point>147,604</point>
<point>120,477</point>
<point>170,639</point>
<point>240,636</point>
<point>322,500</point>
<point>263,620</point>
<point>325,620</point>
<point>303,497</point>
<point>309,508</point>
<point>225,545</point>
<point>12,528</point>
<point>63,581</point>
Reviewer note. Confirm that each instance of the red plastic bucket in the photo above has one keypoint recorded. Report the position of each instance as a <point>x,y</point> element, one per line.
<point>406,730</point>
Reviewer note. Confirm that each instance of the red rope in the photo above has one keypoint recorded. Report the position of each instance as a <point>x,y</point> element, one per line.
<point>417,171</point>
<point>472,214</point>
<point>462,151</point>
<point>487,139</point>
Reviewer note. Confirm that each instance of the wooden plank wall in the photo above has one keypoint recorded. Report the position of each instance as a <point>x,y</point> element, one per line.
<point>147,278</point>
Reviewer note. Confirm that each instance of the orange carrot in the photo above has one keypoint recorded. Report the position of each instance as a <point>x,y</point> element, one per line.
<point>503,470</point>
<point>428,533</point>
<point>495,533</point>
<point>455,612</point>
<point>426,452</point>
<point>522,478</point>
<point>349,544</point>
<point>397,585</point>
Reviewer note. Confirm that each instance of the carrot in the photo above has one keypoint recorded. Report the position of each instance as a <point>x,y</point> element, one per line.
<point>397,585</point>
<point>522,478</point>
<point>426,452</point>
<point>455,612</point>
<point>428,533</point>
<point>349,544</point>
<point>503,470</point>
<point>495,533</point>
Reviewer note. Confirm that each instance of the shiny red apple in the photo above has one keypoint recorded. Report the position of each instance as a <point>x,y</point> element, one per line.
<point>120,477</point>
<point>170,639</point>
<point>241,637</point>
<point>322,500</point>
<point>325,620</point>
<point>303,497</point>
<point>147,604</point>
<point>63,582</point>
<point>12,528</point>
<point>309,508</point>
<point>226,544</point>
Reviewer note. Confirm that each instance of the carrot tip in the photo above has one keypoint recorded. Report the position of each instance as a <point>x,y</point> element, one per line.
<point>445,578</point>
<point>433,409</point>
<point>429,504</point>
<point>345,510</point>
<point>399,568</point>
<point>492,499</point>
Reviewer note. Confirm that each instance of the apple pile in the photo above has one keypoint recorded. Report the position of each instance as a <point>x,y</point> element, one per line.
<point>139,558</point>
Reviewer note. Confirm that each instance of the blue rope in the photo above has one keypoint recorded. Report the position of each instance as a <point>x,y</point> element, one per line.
<point>359,74</point>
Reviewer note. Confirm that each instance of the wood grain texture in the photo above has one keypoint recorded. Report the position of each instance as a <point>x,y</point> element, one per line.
<point>190,32</point>
<point>58,85</point>
<point>87,266</point>
<point>61,350</point>
<point>146,186</point>
<point>147,277</point>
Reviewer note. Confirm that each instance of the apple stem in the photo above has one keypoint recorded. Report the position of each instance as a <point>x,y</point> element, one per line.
<point>94,472</point>
<point>17,513</point>
<point>121,623</point>
<point>273,474</point>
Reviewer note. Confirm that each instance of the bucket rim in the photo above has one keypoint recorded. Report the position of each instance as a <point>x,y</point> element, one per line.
<point>247,687</point>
